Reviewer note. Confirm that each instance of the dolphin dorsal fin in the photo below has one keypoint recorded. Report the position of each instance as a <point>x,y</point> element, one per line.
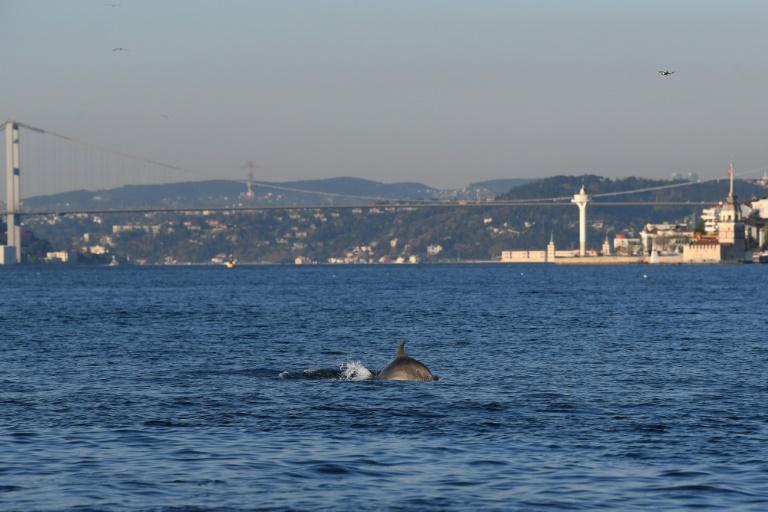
<point>401,350</point>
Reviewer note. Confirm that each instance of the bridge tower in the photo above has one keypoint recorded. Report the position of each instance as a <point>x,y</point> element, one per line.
<point>581,199</point>
<point>12,187</point>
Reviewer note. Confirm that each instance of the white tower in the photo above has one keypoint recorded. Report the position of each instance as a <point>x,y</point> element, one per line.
<point>581,199</point>
<point>551,249</point>
<point>12,189</point>
<point>607,251</point>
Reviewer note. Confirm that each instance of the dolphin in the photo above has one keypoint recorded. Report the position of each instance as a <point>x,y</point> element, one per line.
<point>404,367</point>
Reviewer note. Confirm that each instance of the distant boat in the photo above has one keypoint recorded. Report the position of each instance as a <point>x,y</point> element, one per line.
<point>230,263</point>
<point>114,262</point>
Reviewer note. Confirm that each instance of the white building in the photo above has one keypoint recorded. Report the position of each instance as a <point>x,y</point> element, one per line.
<point>59,257</point>
<point>665,238</point>
<point>625,245</point>
<point>710,216</point>
<point>434,249</point>
<point>730,245</point>
<point>760,207</point>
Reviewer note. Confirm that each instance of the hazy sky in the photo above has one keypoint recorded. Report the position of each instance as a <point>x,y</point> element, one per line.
<point>439,91</point>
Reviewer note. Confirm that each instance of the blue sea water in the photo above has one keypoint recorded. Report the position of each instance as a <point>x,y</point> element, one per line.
<point>571,388</point>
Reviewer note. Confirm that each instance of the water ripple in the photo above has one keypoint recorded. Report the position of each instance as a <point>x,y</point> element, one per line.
<point>192,389</point>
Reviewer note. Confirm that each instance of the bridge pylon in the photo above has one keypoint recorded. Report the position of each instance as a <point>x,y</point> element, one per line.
<point>12,192</point>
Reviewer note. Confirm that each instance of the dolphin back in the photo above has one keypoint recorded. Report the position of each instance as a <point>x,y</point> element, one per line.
<point>404,367</point>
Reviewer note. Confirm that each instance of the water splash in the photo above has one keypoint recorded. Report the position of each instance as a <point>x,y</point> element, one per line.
<point>354,370</point>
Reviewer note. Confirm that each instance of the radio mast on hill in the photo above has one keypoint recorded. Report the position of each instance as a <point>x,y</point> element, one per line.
<point>251,165</point>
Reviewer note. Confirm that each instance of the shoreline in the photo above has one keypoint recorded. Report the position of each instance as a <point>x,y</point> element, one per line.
<point>568,262</point>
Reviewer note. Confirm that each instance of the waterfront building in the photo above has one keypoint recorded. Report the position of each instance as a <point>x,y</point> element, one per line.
<point>756,223</point>
<point>536,256</point>
<point>732,231</point>
<point>703,249</point>
<point>710,216</point>
<point>625,245</point>
<point>60,257</point>
<point>760,207</point>
<point>667,238</point>
<point>7,255</point>
<point>730,245</point>
<point>524,256</point>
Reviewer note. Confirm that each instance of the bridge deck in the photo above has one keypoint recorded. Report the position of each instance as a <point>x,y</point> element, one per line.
<point>397,205</point>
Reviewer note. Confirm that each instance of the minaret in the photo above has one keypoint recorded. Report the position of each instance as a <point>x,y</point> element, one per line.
<point>731,197</point>
<point>607,246</point>
<point>730,211</point>
<point>581,199</point>
<point>730,226</point>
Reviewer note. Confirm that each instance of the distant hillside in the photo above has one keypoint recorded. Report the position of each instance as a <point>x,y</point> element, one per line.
<point>481,190</point>
<point>221,193</point>
<point>566,186</point>
<point>500,186</point>
<point>433,234</point>
<point>363,187</point>
<point>192,194</point>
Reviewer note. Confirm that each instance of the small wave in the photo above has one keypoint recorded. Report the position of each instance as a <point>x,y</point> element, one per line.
<point>701,488</point>
<point>354,370</point>
<point>164,423</point>
<point>312,374</point>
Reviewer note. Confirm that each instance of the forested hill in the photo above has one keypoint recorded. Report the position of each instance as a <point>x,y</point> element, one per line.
<point>566,186</point>
<point>223,193</point>
<point>433,234</point>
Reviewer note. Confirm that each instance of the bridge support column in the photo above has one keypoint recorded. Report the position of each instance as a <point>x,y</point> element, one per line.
<point>12,187</point>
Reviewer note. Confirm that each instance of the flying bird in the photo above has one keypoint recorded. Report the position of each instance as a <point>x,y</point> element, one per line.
<point>666,72</point>
<point>112,5</point>
<point>119,49</point>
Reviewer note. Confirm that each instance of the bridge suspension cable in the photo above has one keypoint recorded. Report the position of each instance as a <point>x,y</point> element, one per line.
<point>81,167</point>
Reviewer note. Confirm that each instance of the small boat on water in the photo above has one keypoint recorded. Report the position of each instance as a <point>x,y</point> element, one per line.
<point>114,262</point>
<point>230,263</point>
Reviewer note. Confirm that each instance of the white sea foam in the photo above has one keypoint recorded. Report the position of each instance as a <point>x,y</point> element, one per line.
<point>354,370</point>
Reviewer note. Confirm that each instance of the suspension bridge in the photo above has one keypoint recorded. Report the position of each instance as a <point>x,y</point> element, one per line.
<point>53,163</point>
